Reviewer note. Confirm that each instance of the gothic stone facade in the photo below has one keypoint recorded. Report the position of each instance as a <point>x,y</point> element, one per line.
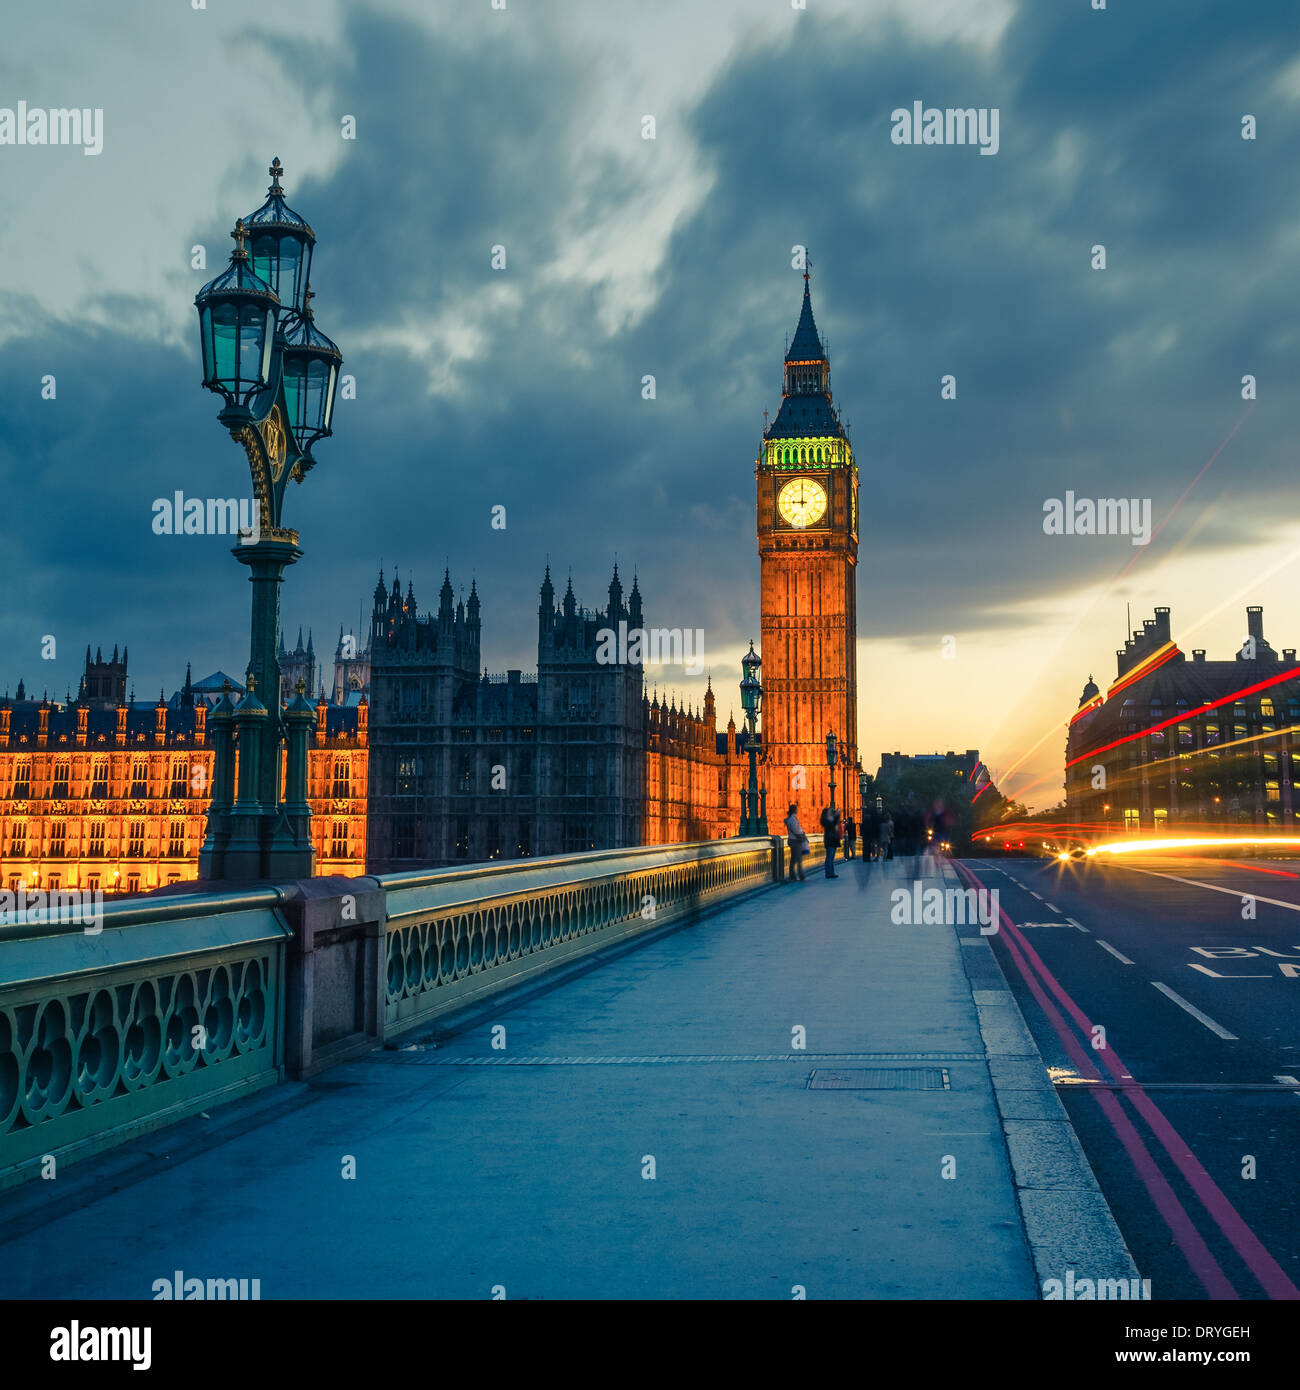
<point>807,512</point>
<point>467,766</point>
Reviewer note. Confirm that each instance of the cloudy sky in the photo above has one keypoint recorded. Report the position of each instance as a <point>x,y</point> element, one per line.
<point>522,127</point>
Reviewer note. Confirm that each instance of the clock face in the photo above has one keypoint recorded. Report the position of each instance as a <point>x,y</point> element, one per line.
<point>802,502</point>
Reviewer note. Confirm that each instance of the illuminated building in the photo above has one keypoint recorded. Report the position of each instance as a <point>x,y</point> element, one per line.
<point>807,495</point>
<point>102,793</point>
<point>1185,741</point>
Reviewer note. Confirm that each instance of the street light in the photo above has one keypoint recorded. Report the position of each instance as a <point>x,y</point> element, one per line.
<point>277,374</point>
<point>753,804</point>
<point>237,318</point>
<point>831,754</point>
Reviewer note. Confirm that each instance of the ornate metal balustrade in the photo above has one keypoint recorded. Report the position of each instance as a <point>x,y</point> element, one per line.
<point>454,935</point>
<point>172,1006</point>
<point>181,1001</point>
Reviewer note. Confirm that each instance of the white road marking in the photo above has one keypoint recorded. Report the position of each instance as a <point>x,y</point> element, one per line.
<point>1213,887</point>
<point>1106,946</point>
<point>1032,894</point>
<point>1075,924</point>
<point>1051,906</point>
<point>1195,1012</point>
<point>1289,1081</point>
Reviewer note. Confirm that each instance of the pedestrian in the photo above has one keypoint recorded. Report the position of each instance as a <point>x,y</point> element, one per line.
<point>850,836</point>
<point>887,838</point>
<point>832,831</point>
<point>799,845</point>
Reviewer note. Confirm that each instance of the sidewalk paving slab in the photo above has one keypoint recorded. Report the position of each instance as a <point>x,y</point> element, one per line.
<point>476,1172</point>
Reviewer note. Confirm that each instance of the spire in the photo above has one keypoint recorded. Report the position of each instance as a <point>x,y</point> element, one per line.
<point>615,596</point>
<point>806,345</point>
<point>806,409</point>
<point>444,598</point>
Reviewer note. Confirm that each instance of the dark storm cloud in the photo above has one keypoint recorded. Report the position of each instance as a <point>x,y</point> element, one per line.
<point>1120,128</point>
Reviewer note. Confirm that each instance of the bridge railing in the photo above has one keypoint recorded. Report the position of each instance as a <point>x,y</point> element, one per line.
<point>456,935</point>
<point>170,1005</point>
<point>151,1012</point>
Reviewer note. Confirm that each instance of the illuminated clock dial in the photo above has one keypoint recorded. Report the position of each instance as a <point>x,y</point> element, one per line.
<point>802,502</point>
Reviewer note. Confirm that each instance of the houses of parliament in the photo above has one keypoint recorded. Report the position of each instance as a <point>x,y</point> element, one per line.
<point>419,758</point>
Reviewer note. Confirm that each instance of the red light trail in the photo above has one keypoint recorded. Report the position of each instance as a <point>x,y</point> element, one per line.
<point>1188,714</point>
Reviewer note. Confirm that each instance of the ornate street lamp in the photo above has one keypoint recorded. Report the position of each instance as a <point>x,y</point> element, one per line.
<point>277,374</point>
<point>753,804</point>
<point>311,372</point>
<point>237,318</point>
<point>831,757</point>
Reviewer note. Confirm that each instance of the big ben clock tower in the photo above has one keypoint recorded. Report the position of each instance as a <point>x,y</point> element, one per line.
<point>808,553</point>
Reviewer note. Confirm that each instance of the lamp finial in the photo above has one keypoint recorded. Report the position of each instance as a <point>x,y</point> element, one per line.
<point>275,171</point>
<point>238,235</point>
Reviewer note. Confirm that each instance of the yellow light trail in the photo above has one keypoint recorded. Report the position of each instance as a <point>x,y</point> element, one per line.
<point>1217,747</point>
<point>1216,841</point>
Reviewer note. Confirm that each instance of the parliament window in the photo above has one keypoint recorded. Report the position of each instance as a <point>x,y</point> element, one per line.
<point>342,776</point>
<point>99,778</point>
<point>18,840</point>
<point>95,845</point>
<point>139,777</point>
<point>58,833</point>
<point>405,777</point>
<point>135,845</point>
<point>176,839</point>
<point>339,840</point>
<point>22,777</point>
<point>403,837</point>
<point>59,786</point>
<point>180,776</point>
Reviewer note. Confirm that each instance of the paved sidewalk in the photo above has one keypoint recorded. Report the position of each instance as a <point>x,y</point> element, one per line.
<point>523,1167</point>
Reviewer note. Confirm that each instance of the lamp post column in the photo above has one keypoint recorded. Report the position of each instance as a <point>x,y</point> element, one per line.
<point>295,848</point>
<point>212,854</point>
<point>832,756</point>
<point>267,560</point>
<point>753,811</point>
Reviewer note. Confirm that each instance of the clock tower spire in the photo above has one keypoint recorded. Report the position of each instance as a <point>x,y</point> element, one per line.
<point>807,496</point>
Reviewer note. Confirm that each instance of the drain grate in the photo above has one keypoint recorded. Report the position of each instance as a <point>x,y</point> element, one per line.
<point>880,1079</point>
